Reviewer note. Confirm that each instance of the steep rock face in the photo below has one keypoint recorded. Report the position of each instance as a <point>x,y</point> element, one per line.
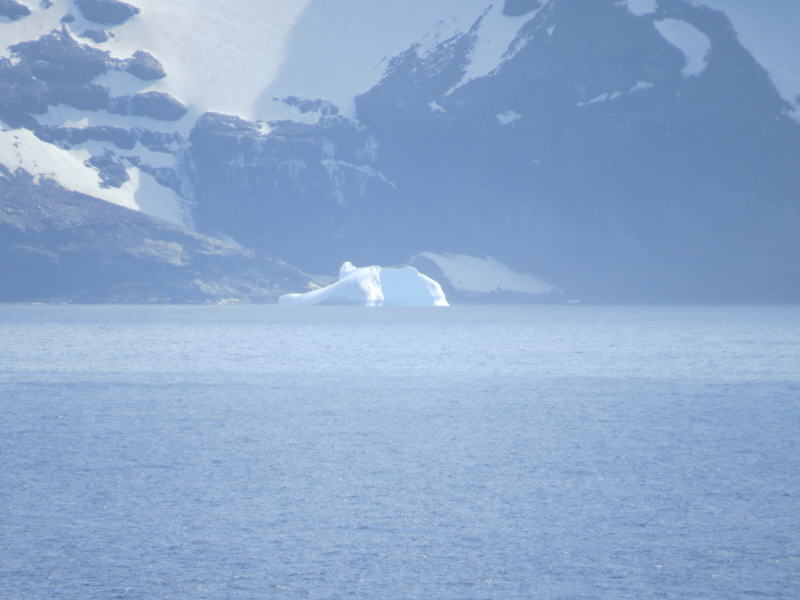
<point>98,36</point>
<point>57,69</point>
<point>62,246</point>
<point>13,10</point>
<point>145,66</point>
<point>297,190</point>
<point>156,105</point>
<point>106,12</point>
<point>123,139</point>
<point>617,150</point>
<point>604,168</point>
<point>620,156</point>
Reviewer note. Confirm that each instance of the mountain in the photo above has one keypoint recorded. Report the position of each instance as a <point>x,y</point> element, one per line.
<point>526,150</point>
<point>64,246</point>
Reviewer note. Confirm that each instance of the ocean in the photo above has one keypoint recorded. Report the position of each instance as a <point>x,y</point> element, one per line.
<point>471,452</point>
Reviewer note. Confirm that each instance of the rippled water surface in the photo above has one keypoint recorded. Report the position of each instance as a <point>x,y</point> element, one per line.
<point>475,452</point>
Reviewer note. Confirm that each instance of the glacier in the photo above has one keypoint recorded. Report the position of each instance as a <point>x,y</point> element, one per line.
<point>374,286</point>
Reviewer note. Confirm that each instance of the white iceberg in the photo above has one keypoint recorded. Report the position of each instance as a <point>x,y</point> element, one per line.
<point>375,286</point>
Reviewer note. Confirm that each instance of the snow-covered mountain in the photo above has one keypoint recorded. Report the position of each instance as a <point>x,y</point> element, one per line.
<point>613,150</point>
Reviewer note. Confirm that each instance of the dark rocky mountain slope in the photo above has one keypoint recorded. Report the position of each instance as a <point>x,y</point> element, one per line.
<point>64,246</point>
<point>617,152</point>
<point>588,157</point>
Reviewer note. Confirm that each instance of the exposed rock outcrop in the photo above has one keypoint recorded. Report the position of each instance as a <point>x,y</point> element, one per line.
<point>106,12</point>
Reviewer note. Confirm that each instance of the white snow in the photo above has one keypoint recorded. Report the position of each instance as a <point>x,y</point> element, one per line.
<point>217,55</point>
<point>601,98</point>
<point>641,85</point>
<point>237,56</point>
<point>234,57</point>
<point>346,268</point>
<point>608,96</point>
<point>62,115</point>
<point>364,36</point>
<point>40,22</point>
<point>163,160</point>
<point>693,43</point>
<point>485,275</point>
<point>122,83</point>
<point>495,34</point>
<point>640,7</point>
<point>508,117</point>
<point>770,30</point>
<point>154,199</point>
<point>21,149</point>
<point>374,286</point>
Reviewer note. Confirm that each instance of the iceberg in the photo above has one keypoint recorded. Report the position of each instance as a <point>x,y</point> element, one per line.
<point>374,286</point>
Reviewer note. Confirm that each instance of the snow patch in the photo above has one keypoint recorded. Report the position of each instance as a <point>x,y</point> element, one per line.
<point>642,85</point>
<point>601,98</point>
<point>485,275</point>
<point>154,199</point>
<point>141,153</point>
<point>640,7</point>
<point>217,56</point>
<point>693,43</point>
<point>21,149</point>
<point>495,34</point>
<point>122,83</point>
<point>151,158</point>
<point>608,96</point>
<point>508,117</point>
<point>374,286</point>
<point>62,115</point>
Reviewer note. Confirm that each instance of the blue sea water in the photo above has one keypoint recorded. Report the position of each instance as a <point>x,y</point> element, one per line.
<point>559,452</point>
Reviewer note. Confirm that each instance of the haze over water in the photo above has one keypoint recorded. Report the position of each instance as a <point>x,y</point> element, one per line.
<point>471,452</point>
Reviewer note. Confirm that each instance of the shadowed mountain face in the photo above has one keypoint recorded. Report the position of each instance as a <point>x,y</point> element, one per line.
<point>63,246</point>
<point>615,155</point>
<point>604,155</point>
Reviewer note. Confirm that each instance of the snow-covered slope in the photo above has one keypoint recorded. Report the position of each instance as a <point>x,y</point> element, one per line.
<point>485,275</point>
<point>242,58</point>
<point>339,49</point>
<point>561,137</point>
<point>21,149</point>
<point>235,57</point>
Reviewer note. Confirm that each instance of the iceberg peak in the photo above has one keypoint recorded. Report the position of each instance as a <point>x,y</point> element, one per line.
<point>374,286</point>
<point>346,268</point>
